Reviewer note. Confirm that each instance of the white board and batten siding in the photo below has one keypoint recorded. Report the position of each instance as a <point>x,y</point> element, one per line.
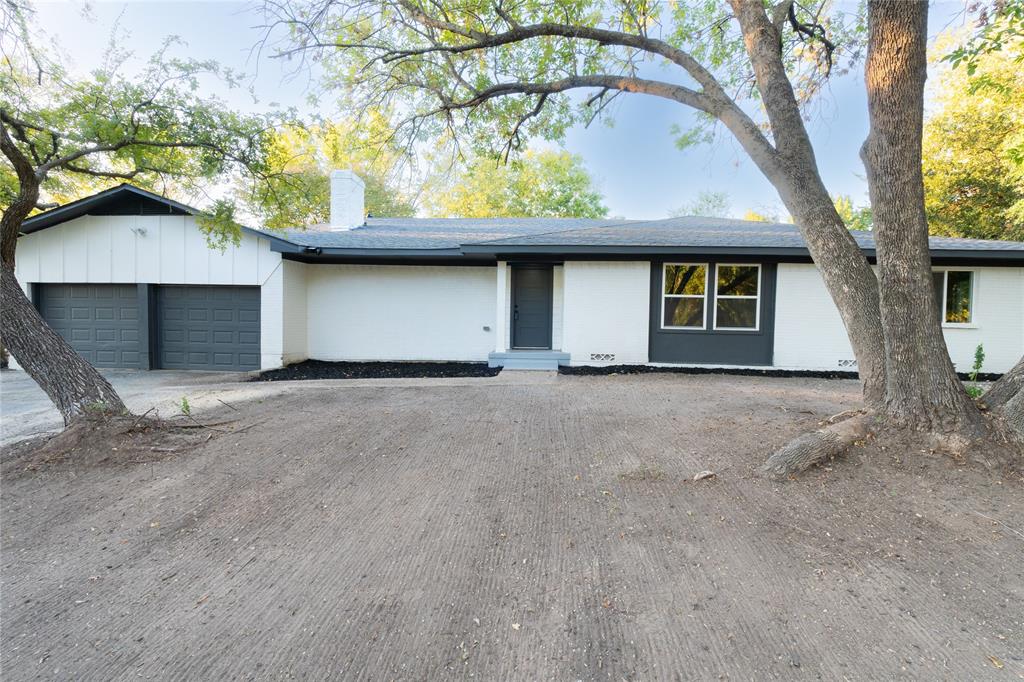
<point>809,333</point>
<point>399,312</point>
<point>156,250</point>
<point>605,312</point>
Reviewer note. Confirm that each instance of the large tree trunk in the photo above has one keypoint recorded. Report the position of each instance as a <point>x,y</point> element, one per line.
<point>921,388</point>
<point>74,386</point>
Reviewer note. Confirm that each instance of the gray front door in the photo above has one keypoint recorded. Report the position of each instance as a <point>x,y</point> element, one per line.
<point>531,306</point>
<point>208,327</point>
<point>100,321</point>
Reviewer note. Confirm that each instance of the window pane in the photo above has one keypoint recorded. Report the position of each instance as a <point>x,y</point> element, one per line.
<point>684,312</point>
<point>684,279</point>
<point>958,297</point>
<point>938,281</point>
<point>737,312</point>
<point>737,280</point>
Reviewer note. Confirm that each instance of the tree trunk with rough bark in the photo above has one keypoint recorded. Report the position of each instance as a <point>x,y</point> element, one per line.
<point>1009,385</point>
<point>74,386</point>
<point>922,390</point>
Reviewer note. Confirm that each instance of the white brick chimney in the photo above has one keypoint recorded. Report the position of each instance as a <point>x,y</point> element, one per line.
<point>347,202</point>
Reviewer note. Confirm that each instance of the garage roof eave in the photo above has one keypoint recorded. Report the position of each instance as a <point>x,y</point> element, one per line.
<point>81,207</point>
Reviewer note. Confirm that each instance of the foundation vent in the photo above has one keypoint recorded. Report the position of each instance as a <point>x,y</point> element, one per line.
<point>602,357</point>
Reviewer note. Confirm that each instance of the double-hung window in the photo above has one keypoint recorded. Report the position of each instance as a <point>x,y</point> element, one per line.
<point>684,295</point>
<point>737,297</point>
<point>954,296</point>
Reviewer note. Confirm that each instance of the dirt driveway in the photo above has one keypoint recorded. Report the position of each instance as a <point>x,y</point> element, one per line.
<point>514,530</point>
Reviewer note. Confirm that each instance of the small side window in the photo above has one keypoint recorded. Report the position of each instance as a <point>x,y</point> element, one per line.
<point>954,295</point>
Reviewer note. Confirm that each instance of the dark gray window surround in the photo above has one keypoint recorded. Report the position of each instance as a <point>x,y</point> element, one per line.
<point>710,346</point>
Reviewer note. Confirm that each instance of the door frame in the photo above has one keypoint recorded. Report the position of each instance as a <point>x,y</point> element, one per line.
<point>549,269</point>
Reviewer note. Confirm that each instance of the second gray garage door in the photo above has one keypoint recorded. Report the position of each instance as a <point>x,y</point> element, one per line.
<point>208,327</point>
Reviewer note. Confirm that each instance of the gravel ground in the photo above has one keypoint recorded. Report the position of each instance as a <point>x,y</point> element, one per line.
<point>547,529</point>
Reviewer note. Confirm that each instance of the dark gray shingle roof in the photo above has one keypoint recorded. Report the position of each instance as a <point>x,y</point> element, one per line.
<point>698,232</point>
<point>433,233</point>
<point>504,235</point>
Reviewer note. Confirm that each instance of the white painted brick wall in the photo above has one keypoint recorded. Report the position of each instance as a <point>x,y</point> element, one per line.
<point>294,327</point>
<point>607,308</point>
<point>809,333</point>
<point>271,315</point>
<point>391,312</point>
<point>557,307</point>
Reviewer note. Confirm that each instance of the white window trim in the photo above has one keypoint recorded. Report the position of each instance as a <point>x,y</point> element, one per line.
<point>973,324</point>
<point>704,309</point>
<point>757,298</point>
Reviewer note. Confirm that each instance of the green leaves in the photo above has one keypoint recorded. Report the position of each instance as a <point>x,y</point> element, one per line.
<point>154,129</point>
<point>300,158</point>
<point>973,143</point>
<point>552,184</point>
<point>997,29</point>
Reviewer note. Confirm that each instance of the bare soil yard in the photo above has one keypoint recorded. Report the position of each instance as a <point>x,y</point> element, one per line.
<point>491,529</point>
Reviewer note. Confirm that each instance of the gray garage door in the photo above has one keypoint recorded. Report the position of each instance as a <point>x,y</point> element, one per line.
<point>216,327</point>
<point>100,321</point>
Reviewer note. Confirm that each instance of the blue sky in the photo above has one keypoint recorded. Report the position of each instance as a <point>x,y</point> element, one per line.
<point>638,167</point>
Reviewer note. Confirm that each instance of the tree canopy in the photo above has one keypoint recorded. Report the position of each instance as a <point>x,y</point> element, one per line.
<point>708,204</point>
<point>855,217</point>
<point>541,184</point>
<point>973,148</point>
<point>74,134</point>
<point>302,157</point>
<point>494,74</point>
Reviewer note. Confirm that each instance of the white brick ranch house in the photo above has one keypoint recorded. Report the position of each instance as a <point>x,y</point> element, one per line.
<point>128,279</point>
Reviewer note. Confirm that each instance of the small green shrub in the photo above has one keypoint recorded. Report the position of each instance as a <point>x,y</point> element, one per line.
<point>973,389</point>
<point>185,408</point>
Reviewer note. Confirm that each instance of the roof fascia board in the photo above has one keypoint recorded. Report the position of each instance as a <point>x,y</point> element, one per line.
<point>80,207</point>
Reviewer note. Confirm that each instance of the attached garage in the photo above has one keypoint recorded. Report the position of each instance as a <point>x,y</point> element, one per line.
<point>100,321</point>
<point>129,280</point>
<point>207,327</point>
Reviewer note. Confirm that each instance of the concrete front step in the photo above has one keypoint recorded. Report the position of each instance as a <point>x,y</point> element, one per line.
<point>528,359</point>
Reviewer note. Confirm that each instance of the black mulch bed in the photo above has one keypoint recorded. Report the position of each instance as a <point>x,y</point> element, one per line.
<point>319,369</point>
<point>648,369</point>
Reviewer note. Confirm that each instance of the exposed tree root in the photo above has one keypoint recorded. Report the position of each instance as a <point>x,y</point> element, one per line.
<point>1009,385</point>
<point>1013,412</point>
<point>810,448</point>
<point>103,439</point>
<point>996,441</point>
